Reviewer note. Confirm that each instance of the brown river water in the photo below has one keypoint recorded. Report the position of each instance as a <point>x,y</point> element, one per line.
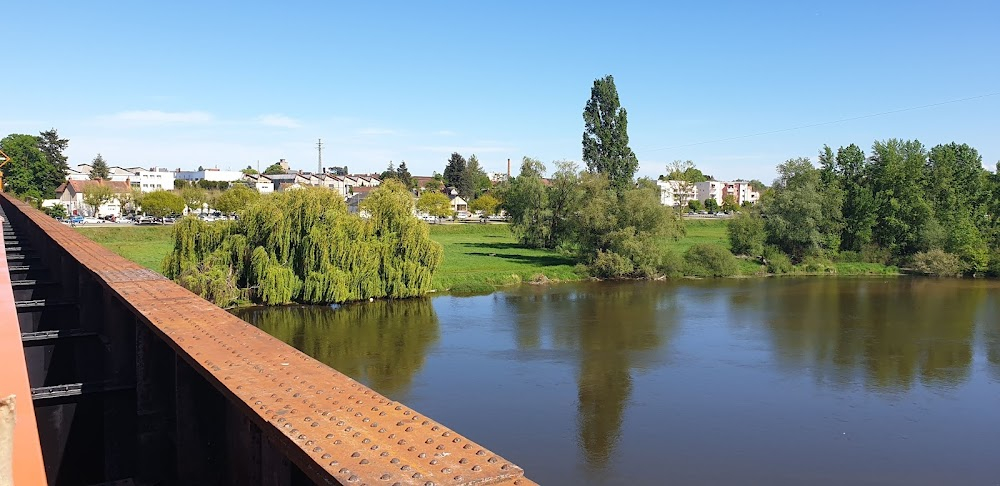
<point>757,381</point>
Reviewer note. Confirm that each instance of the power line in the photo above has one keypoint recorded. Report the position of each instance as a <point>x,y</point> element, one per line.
<point>842,120</point>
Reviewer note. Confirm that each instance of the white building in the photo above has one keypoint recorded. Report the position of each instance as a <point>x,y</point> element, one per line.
<point>77,175</point>
<point>151,180</point>
<point>742,191</point>
<point>335,183</point>
<point>82,173</point>
<point>213,175</point>
<point>676,193</point>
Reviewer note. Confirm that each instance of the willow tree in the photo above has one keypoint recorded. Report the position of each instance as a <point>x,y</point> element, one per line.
<point>304,246</point>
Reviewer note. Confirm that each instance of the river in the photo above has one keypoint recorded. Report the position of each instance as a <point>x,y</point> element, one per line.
<point>755,381</point>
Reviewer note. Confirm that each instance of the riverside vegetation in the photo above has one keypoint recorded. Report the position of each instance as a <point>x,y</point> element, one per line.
<point>304,246</point>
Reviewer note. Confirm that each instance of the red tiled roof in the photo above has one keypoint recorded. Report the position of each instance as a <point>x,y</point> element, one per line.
<point>79,186</point>
<point>363,189</point>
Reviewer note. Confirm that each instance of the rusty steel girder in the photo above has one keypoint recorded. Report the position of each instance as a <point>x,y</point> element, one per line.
<point>336,430</point>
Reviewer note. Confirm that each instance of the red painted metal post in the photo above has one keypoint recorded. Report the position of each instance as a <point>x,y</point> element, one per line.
<point>28,469</point>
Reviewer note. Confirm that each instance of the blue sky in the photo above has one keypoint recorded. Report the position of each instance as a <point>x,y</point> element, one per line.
<point>182,84</point>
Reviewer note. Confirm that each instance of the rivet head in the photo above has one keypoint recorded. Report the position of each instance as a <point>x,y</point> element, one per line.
<point>477,468</point>
<point>356,454</point>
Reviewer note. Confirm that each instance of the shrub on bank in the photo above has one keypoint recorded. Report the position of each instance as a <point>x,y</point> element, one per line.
<point>938,263</point>
<point>609,264</point>
<point>746,234</point>
<point>816,265</point>
<point>707,260</point>
<point>777,261</point>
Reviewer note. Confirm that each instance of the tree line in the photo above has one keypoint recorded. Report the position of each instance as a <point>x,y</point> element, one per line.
<point>936,211</point>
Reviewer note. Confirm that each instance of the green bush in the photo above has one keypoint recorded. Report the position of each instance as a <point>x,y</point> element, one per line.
<point>609,264</point>
<point>746,234</point>
<point>671,264</point>
<point>707,260</point>
<point>994,269</point>
<point>872,253</point>
<point>777,261</point>
<point>817,265</point>
<point>937,262</point>
<point>849,256</point>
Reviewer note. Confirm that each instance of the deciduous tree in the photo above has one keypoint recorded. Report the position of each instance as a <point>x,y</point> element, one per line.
<point>195,198</point>
<point>485,203</point>
<point>96,195</point>
<point>25,172</point>
<point>235,199</point>
<point>162,203</point>
<point>711,205</point>
<point>435,204</point>
<point>794,209</point>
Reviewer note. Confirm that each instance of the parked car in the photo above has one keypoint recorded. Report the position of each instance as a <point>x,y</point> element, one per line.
<point>92,220</point>
<point>76,220</point>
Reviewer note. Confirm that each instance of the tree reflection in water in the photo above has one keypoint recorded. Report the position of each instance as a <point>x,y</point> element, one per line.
<point>887,335</point>
<point>381,343</point>
<point>612,330</point>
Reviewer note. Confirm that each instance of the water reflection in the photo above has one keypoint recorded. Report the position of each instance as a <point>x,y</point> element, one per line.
<point>610,330</point>
<point>991,321</point>
<point>888,335</point>
<point>382,344</point>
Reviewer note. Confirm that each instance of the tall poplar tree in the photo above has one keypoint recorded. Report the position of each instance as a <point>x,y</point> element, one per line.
<point>605,135</point>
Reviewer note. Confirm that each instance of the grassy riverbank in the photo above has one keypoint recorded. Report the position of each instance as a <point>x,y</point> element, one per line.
<point>477,257</point>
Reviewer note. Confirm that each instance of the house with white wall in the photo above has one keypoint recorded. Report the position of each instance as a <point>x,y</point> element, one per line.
<point>70,195</point>
<point>261,182</point>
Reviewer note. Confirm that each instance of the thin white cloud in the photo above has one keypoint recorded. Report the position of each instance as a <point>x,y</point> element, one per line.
<point>278,120</point>
<point>376,131</point>
<point>445,133</point>
<point>163,117</point>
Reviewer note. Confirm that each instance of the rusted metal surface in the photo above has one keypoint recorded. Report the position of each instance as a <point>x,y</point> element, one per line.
<point>27,454</point>
<point>333,428</point>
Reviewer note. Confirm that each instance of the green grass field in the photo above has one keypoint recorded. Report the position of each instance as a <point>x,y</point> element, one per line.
<point>477,257</point>
<point>145,245</point>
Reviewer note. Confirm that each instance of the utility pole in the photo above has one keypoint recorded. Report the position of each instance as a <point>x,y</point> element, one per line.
<point>319,150</point>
